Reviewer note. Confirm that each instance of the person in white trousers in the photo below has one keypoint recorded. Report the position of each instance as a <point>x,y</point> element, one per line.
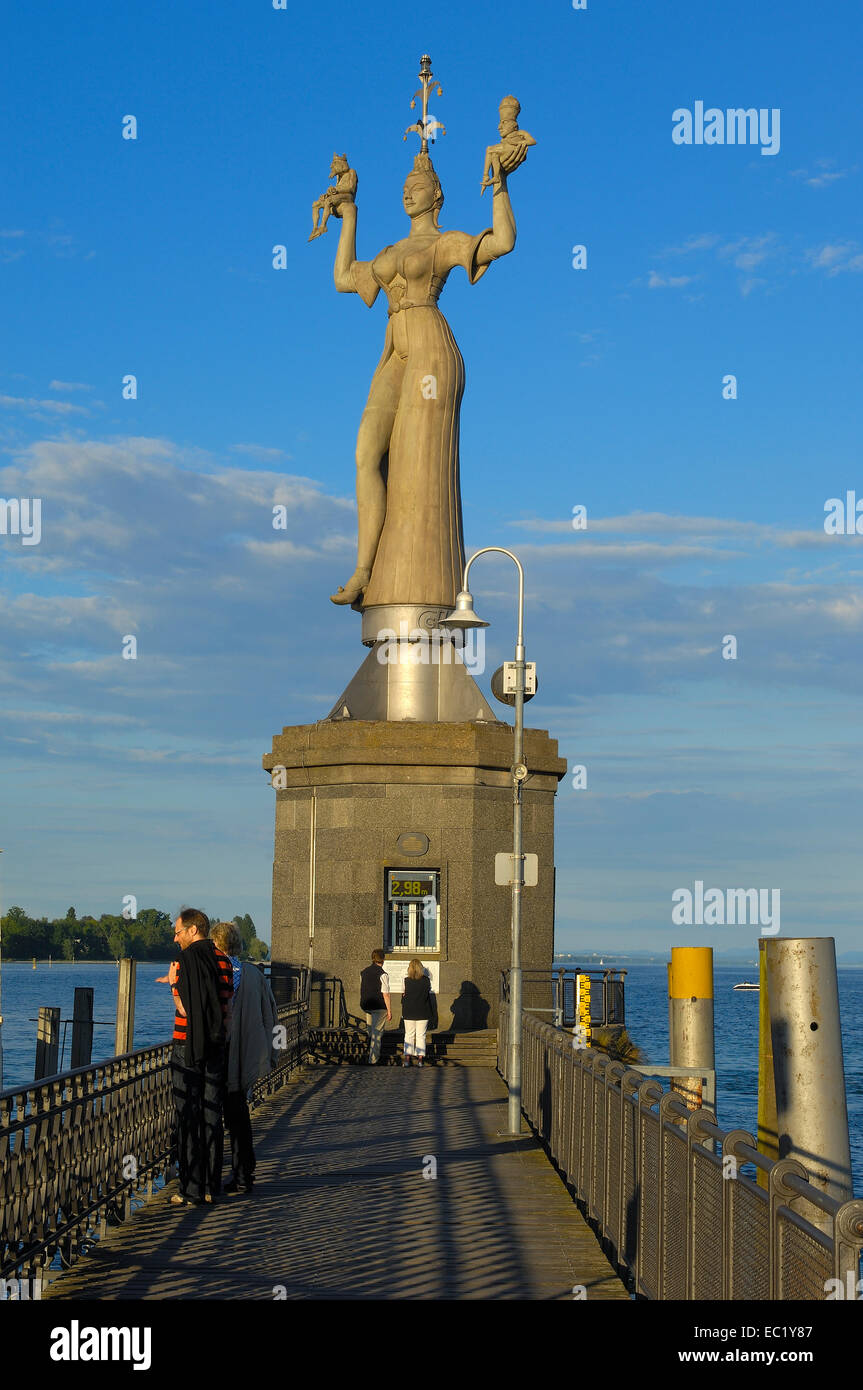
<point>416,1011</point>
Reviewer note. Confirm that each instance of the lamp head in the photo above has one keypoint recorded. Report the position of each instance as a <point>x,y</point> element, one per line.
<point>463,615</point>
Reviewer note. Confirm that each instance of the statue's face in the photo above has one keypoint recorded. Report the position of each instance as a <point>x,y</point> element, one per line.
<point>419,194</point>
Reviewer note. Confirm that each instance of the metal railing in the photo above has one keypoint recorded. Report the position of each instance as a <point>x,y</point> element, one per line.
<point>664,1187</point>
<point>289,983</point>
<point>325,993</point>
<point>607,1000</point>
<point>78,1149</point>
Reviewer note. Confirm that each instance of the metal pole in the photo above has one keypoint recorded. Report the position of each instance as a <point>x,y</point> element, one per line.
<point>125,1029</point>
<point>691,1013</point>
<point>519,772</point>
<point>514,1107</point>
<point>811,1111</point>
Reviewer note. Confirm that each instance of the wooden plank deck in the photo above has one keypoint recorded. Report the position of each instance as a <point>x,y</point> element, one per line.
<point>341,1208</point>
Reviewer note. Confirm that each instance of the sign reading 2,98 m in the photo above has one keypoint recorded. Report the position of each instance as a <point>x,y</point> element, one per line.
<point>404,886</point>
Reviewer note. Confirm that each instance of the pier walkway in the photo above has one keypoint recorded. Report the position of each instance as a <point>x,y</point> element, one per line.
<point>341,1208</point>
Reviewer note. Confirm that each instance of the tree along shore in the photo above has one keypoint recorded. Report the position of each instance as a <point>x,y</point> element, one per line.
<point>147,936</point>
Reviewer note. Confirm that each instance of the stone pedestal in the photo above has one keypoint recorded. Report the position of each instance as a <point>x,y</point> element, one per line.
<point>356,798</point>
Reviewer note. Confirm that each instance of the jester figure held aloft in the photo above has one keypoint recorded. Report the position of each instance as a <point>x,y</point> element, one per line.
<point>513,147</point>
<point>344,191</point>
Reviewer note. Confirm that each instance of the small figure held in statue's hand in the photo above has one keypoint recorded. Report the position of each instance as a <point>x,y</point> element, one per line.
<point>513,147</point>
<point>331,201</point>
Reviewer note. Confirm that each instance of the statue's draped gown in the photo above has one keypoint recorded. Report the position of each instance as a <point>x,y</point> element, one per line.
<point>419,383</point>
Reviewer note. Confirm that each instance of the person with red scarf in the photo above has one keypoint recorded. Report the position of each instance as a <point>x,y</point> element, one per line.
<point>202,986</point>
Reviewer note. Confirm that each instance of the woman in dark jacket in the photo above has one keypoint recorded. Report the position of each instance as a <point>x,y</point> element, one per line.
<point>416,1011</point>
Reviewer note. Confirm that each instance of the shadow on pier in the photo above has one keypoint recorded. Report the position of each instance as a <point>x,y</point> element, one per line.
<point>342,1209</point>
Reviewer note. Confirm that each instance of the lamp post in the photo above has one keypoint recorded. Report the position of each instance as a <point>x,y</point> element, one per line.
<point>464,617</point>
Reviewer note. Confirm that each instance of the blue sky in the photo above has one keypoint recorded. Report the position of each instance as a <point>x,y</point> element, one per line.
<point>600,386</point>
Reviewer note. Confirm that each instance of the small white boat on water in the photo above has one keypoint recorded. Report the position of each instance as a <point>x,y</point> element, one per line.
<point>747,984</point>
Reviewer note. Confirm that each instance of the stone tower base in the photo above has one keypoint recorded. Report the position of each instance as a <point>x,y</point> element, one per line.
<point>355,799</point>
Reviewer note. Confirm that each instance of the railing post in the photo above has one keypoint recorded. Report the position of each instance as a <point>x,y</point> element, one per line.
<point>780,1196</point>
<point>607,1077</point>
<point>125,1029</point>
<point>694,1125</point>
<point>82,1028</point>
<point>47,1043</point>
<point>847,1240</point>
<point>623,1201</point>
<point>649,1092</point>
<point>666,1108</point>
<point>729,1150</point>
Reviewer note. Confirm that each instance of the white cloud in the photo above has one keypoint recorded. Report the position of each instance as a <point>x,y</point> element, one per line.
<point>827,174</point>
<point>37,408</point>
<point>656,523</point>
<point>836,257</point>
<point>68,386</point>
<point>705,242</point>
<point>260,452</point>
<point>235,630</point>
<point>745,253</point>
<point>668,282</point>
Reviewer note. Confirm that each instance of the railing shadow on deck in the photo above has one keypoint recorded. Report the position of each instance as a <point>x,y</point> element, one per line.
<point>79,1150</point>
<point>316,1198</point>
<point>664,1186</point>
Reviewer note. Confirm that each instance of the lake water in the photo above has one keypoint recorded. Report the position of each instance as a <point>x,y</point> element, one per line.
<point>736,1033</point>
<point>736,1018</point>
<point>26,990</point>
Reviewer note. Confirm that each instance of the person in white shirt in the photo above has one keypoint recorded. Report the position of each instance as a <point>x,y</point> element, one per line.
<point>375,1001</point>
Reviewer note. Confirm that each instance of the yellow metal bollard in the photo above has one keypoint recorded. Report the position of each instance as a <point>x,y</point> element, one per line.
<point>691,1017</point>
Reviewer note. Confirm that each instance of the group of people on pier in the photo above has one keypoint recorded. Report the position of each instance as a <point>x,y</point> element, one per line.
<point>224,1040</point>
<point>417,1007</point>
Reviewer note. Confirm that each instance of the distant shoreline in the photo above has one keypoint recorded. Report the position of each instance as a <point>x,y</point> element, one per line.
<point>60,960</point>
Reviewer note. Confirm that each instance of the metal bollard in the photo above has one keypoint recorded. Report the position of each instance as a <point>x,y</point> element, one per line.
<point>811,1111</point>
<point>691,1017</point>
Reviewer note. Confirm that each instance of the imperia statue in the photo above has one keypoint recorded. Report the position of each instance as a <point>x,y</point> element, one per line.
<point>410,548</point>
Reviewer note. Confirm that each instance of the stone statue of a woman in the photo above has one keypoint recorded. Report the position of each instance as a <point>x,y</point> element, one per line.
<point>410,546</point>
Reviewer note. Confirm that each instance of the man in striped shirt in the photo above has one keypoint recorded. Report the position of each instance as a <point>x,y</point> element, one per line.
<point>202,986</point>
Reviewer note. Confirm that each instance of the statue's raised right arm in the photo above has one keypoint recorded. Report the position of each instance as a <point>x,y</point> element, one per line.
<point>352,276</point>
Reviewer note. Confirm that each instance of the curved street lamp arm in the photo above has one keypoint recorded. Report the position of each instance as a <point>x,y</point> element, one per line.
<point>499,550</point>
